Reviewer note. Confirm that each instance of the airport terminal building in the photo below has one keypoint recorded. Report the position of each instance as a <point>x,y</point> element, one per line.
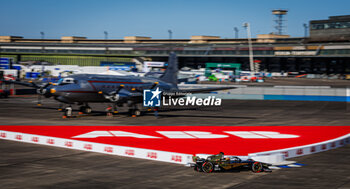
<point>325,51</point>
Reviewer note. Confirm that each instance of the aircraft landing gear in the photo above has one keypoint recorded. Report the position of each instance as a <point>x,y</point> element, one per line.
<point>85,109</point>
<point>115,109</point>
<point>68,112</point>
<point>156,112</point>
<point>135,111</point>
<point>60,107</point>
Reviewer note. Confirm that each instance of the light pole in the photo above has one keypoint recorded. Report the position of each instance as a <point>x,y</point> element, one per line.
<point>42,35</point>
<point>236,32</point>
<point>170,34</point>
<point>306,27</point>
<point>42,38</point>
<point>251,58</point>
<point>106,35</point>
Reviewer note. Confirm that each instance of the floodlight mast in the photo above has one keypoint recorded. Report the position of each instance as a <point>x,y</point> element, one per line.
<point>251,56</point>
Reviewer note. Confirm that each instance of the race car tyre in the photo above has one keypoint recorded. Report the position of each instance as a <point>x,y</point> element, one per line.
<point>207,167</point>
<point>257,167</point>
<point>198,168</point>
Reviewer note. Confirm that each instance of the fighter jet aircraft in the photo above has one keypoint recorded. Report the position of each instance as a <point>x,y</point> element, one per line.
<point>83,89</point>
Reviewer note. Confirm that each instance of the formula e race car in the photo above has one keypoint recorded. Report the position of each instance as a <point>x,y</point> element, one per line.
<point>221,163</point>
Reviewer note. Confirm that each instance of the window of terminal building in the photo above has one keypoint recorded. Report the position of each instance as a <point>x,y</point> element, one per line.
<point>229,52</point>
<point>331,25</point>
<point>181,52</point>
<point>343,51</point>
<point>150,52</point>
<point>268,52</point>
<point>335,25</point>
<point>226,52</point>
<point>63,51</point>
<point>317,26</point>
<point>51,51</point>
<point>8,50</point>
<point>196,52</point>
<point>244,52</point>
<point>328,52</point>
<point>115,52</point>
<point>216,52</point>
<point>258,52</point>
<point>28,50</point>
<point>189,52</point>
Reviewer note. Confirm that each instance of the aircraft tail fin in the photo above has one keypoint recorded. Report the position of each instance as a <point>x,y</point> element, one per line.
<point>170,74</point>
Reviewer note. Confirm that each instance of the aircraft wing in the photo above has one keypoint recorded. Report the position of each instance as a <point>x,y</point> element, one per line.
<point>204,90</point>
<point>28,84</point>
<point>137,96</point>
<point>124,95</point>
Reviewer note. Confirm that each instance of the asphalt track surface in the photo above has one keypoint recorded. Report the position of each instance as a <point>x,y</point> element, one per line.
<point>23,111</point>
<point>36,166</point>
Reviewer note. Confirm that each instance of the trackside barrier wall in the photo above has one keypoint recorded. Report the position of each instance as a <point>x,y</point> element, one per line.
<point>306,149</point>
<point>170,157</point>
<point>157,155</point>
<point>302,93</point>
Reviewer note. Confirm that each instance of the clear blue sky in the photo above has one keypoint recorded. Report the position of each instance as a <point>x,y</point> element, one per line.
<point>153,18</point>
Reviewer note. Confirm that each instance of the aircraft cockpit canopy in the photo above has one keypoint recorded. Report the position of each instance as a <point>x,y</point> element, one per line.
<point>66,80</point>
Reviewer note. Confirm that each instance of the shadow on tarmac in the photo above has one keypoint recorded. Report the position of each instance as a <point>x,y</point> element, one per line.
<point>206,116</point>
<point>148,114</point>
